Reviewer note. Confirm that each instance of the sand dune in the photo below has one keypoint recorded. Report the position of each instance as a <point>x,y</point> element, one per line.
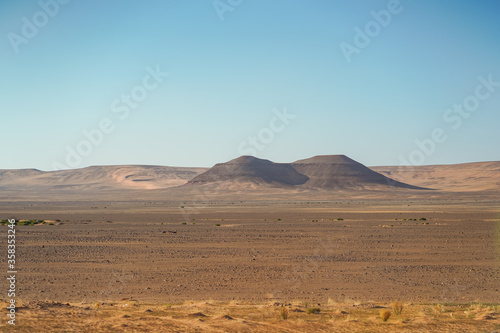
<point>480,176</point>
<point>125,176</point>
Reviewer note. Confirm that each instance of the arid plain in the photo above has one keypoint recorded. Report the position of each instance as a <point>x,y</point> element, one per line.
<point>232,248</point>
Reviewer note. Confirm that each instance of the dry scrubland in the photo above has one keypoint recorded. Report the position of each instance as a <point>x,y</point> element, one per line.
<point>211,316</point>
<point>133,266</point>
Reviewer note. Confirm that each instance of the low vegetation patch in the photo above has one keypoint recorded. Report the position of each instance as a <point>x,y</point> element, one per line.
<point>130,315</point>
<point>284,313</point>
<point>27,222</point>
<point>397,308</point>
<point>385,314</point>
<point>313,310</point>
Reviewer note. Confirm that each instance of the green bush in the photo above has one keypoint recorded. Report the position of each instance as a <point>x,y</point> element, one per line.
<point>313,310</point>
<point>30,222</point>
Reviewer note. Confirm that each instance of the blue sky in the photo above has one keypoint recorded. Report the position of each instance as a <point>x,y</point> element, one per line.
<point>233,66</point>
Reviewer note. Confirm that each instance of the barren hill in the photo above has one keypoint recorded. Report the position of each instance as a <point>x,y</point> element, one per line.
<point>340,171</point>
<point>249,169</point>
<point>319,172</point>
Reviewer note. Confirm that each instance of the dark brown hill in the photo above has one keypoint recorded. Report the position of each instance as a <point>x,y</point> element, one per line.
<point>251,169</point>
<point>340,171</point>
<point>319,172</point>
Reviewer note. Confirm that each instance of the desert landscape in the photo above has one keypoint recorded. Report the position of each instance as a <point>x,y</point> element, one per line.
<point>249,245</point>
<point>250,166</point>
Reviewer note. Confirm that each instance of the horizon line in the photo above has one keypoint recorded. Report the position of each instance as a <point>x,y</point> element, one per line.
<point>202,167</point>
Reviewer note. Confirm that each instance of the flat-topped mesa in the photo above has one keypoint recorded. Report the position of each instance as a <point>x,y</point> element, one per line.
<point>327,159</point>
<point>340,171</point>
<point>251,169</point>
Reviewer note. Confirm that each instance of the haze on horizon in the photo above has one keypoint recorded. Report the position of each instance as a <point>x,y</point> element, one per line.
<point>383,82</point>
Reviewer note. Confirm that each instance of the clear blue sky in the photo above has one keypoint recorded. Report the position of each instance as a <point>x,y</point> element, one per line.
<point>229,67</point>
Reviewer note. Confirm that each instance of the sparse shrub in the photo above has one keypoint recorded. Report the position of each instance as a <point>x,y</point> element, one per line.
<point>217,224</point>
<point>183,223</point>
<point>397,308</point>
<point>30,222</point>
<point>422,219</point>
<point>340,219</point>
<point>278,219</point>
<point>385,314</point>
<point>284,313</point>
<point>439,308</point>
<point>313,310</point>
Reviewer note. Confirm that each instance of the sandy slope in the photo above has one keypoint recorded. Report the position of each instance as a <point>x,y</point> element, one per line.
<point>122,176</point>
<point>479,176</point>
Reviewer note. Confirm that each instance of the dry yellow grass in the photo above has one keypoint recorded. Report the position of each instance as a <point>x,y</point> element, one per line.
<point>385,314</point>
<point>284,313</point>
<point>397,308</point>
<point>213,316</point>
